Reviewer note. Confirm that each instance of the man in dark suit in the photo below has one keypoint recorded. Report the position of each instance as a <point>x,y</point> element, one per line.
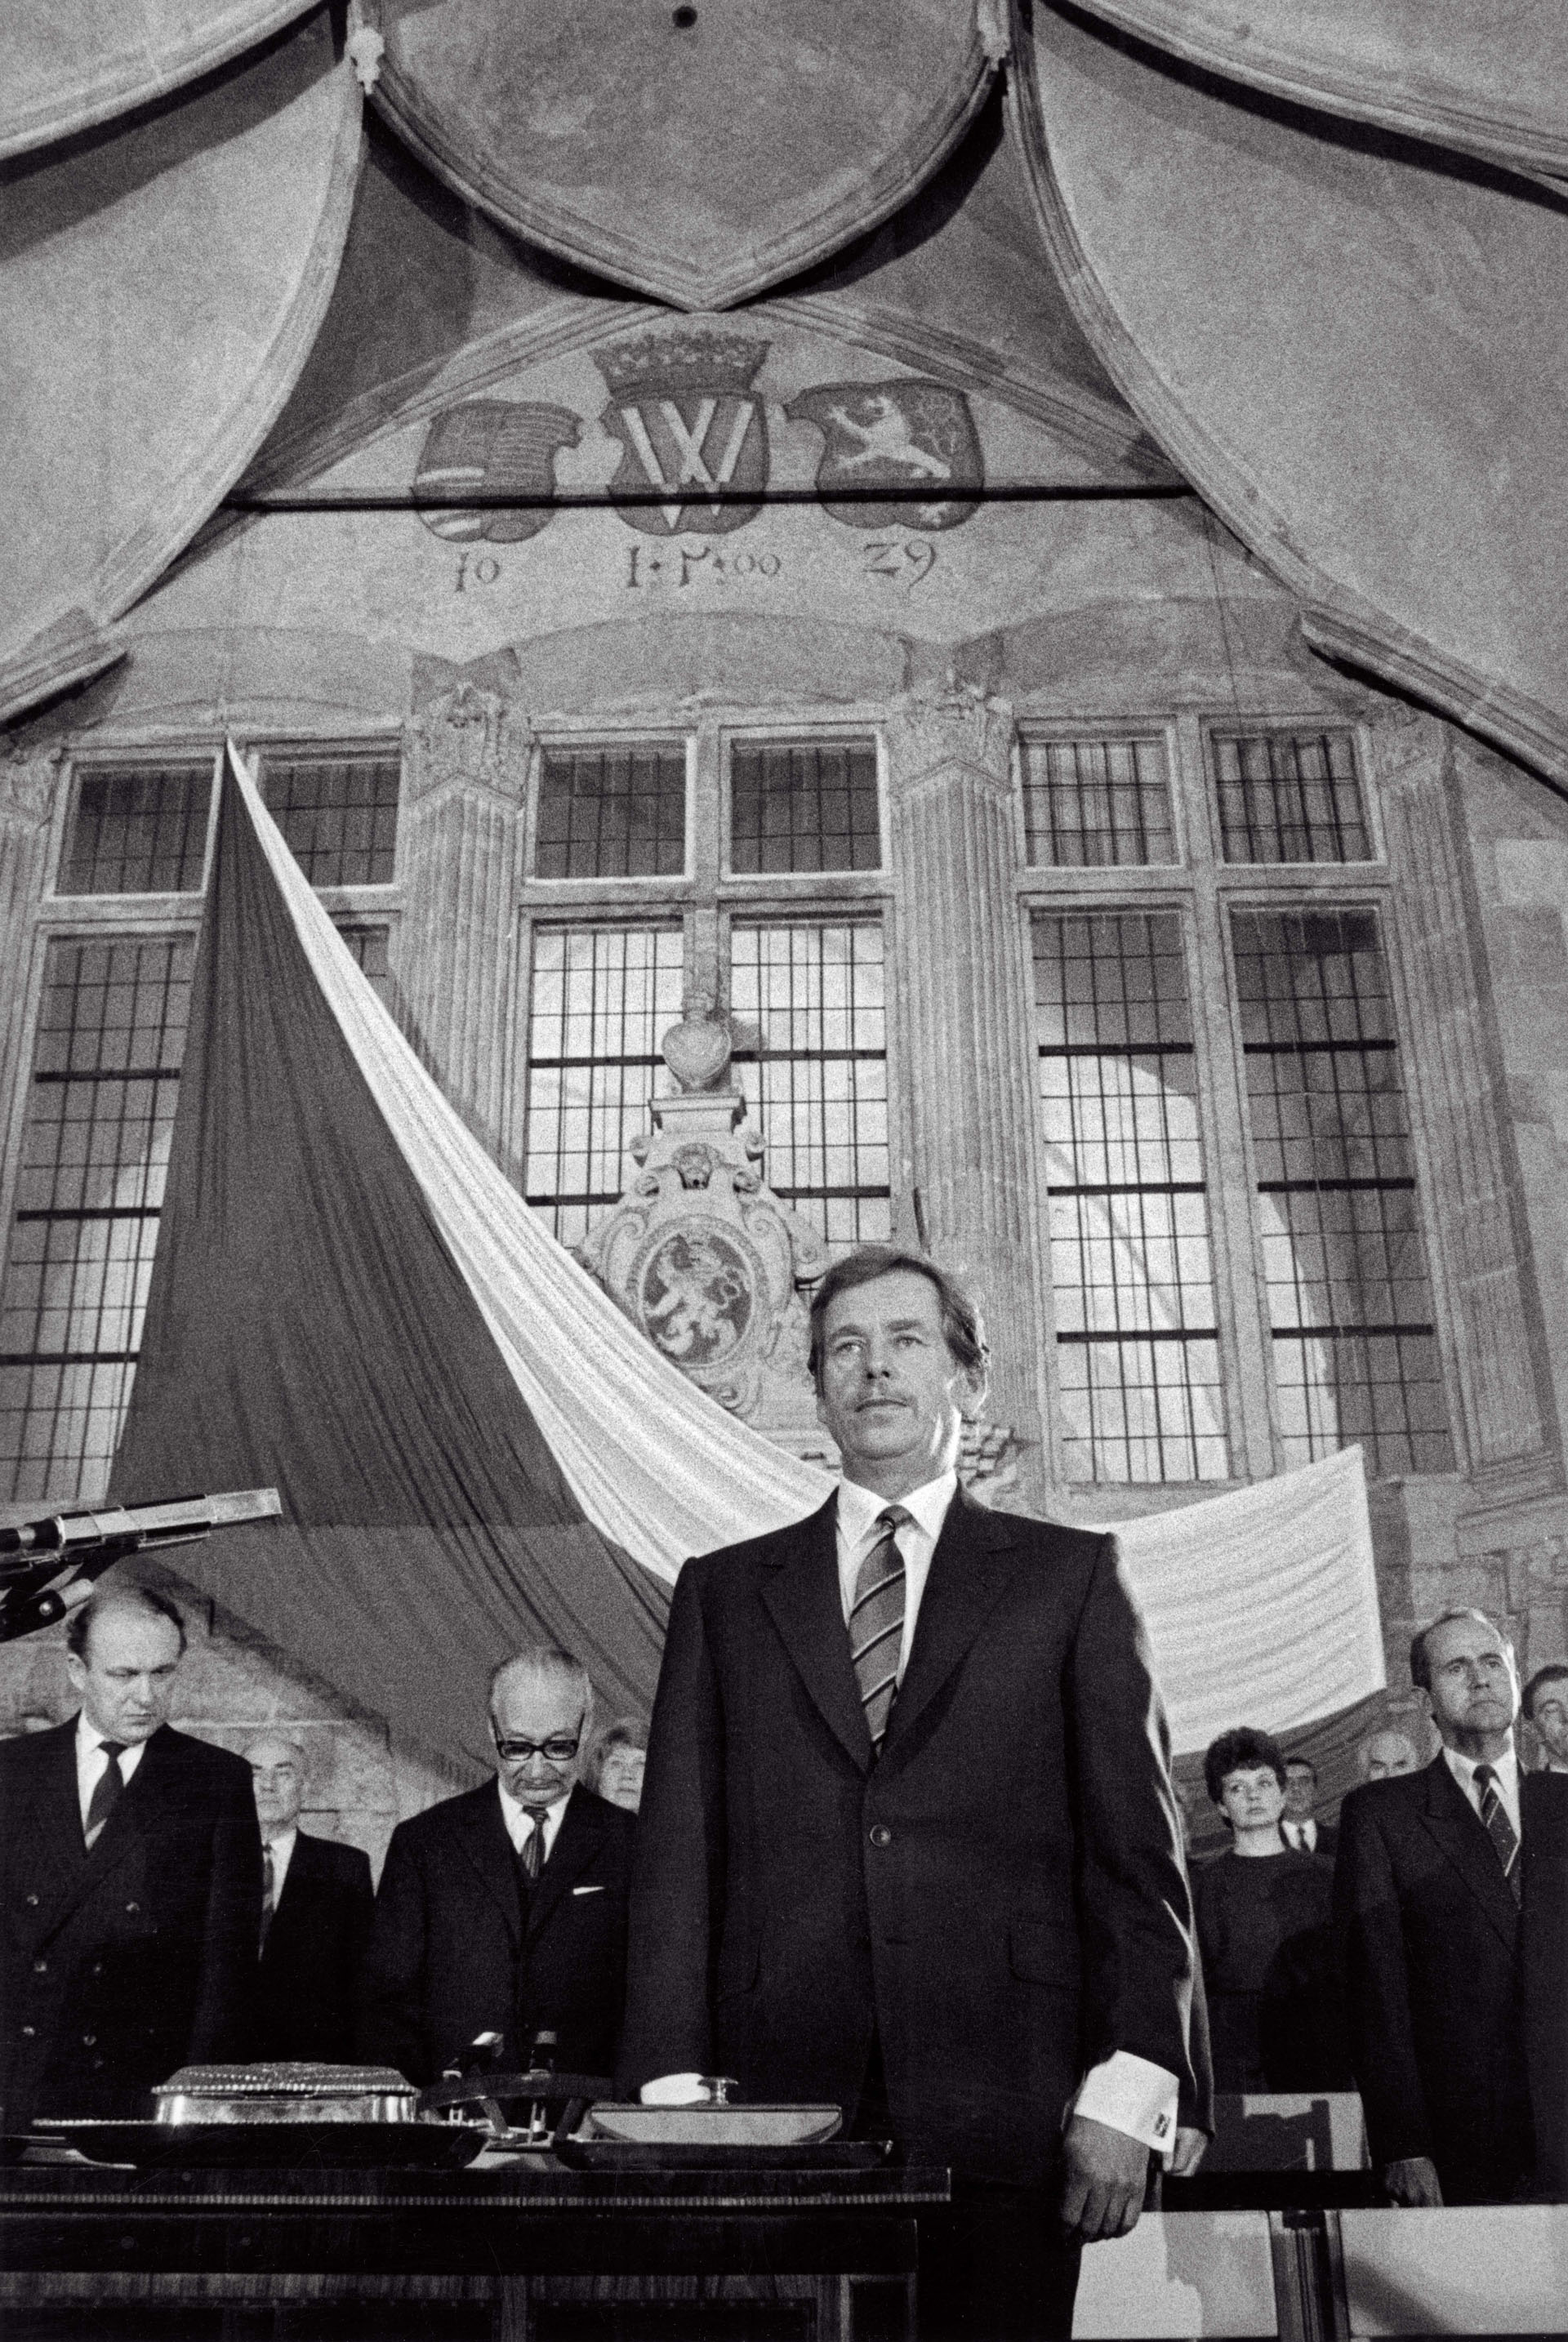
<point>1426,1918</point>
<point>316,1902</point>
<point>1543,1951</point>
<point>130,1881</point>
<point>504,1911</point>
<point>908,1842</point>
<point>1299,1825</point>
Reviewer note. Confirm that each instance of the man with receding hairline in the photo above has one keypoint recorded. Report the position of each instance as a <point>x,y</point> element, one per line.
<point>504,1910</point>
<point>130,1881</point>
<point>1427,1893</point>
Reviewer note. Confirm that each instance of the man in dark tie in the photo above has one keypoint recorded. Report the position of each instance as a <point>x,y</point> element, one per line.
<point>316,1902</point>
<point>1545,1706</point>
<point>908,1842</point>
<point>1299,1824</point>
<point>504,1911</point>
<point>1426,1916</point>
<point>130,1881</point>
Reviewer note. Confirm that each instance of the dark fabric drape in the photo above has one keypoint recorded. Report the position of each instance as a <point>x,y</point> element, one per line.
<point>307,1327</point>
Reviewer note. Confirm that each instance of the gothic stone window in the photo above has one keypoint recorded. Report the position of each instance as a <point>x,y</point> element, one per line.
<point>109,1036</point>
<point>1235,1232</point>
<point>743,867</point>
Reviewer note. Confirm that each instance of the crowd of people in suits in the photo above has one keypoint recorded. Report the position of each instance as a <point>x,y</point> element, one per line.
<point>908,1842</point>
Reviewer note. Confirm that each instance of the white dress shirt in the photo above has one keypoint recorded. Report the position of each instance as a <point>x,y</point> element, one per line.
<point>1299,1837</point>
<point>280,1849</point>
<point>858,1512</point>
<point>519,1821</point>
<point>91,1764</point>
<point>1506,1769</point>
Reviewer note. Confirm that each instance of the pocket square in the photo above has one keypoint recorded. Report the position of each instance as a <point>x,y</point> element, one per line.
<point>587,1890</point>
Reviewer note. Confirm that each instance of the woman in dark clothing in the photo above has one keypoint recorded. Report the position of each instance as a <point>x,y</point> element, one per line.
<point>1262,1911</point>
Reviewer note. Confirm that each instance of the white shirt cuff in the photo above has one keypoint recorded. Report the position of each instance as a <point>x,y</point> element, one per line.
<point>1131,2093</point>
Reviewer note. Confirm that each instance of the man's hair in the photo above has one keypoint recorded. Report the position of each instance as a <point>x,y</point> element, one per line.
<point>1364,1748</point>
<point>284,1739</point>
<point>1554,1671</point>
<point>1421,1665</point>
<point>963,1328</point>
<point>145,1598</point>
<point>1295,1757</point>
<point>1243,1750</point>
<point>548,1659</point>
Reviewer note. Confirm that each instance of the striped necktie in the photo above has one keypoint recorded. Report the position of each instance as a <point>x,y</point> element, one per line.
<point>876,1623</point>
<point>530,1854</point>
<point>268,1895</point>
<point>1498,1827</point>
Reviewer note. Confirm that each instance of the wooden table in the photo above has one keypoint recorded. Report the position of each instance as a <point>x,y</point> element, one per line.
<point>536,2252</point>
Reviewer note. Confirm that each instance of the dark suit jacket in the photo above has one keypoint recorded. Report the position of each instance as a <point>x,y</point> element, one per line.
<point>1544,1953</point>
<point>453,1952</point>
<point>1427,1931</point>
<point>1003,1897</point>
<point>123,1964</point>
<point>310,1968</point>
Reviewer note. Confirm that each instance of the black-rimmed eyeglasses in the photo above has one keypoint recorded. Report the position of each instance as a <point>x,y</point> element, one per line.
<point>557,1751</point>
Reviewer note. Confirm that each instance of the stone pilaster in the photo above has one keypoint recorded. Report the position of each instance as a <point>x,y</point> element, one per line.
<point>962,997</point>
<point>29,776</point>
<point>1475,1208</point>
<point>466,769</point>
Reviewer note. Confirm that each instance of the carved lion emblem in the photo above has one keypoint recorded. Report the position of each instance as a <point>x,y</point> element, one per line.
<point>694,1292</point>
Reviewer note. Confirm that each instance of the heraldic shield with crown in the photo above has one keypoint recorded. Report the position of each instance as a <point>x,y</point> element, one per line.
<point>682,407</point>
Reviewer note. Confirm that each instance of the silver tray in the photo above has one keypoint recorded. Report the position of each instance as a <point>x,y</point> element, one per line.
<point>249,2146</point>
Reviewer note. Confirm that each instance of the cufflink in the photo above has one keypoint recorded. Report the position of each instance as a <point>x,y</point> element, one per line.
<point>1162,2125</point>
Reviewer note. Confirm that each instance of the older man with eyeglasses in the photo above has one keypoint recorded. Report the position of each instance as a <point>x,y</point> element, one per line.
<point>504,1911</point>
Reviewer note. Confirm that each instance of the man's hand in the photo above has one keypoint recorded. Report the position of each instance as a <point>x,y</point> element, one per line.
<point>1188,2152</point>
<point>1106,2175</point>
<point>1412,2181</point>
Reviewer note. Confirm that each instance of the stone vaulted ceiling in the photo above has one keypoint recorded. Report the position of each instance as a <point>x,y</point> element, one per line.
<point>1308,259</point>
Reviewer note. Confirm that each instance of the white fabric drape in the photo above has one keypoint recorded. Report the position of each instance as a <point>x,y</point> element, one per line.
<point>1262,1605</point>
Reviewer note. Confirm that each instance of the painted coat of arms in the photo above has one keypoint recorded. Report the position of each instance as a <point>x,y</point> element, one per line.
<point>690,425</point>
<point>494,447</point>
<point>696,1293</point>
<point>907,434</point>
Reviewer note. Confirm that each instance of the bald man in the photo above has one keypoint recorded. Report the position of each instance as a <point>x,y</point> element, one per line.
<point>504,1910</point>
<point>130,1881</point>
<point>316,1902</point>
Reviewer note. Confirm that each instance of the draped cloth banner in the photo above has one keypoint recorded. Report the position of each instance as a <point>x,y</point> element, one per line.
<point>352,1302</point>
<point>1262,1605</point>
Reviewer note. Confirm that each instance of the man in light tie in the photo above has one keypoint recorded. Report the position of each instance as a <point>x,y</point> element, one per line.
<point>1426,1915</point>
<point>504,1911</point>
<point>908,1842</point>
<point>130,1875</point>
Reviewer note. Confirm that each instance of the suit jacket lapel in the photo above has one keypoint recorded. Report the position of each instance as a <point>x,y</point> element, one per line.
<point>969,1571</point>
<point>81,1872</point>
<point>484,1841</point>
<point>1458,1829</point>
<point>576,1842</point>
<point>801,1597</point>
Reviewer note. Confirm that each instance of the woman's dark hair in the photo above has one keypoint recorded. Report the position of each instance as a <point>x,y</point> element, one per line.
<point>1243,1750</point>
<point>962,1325</point>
